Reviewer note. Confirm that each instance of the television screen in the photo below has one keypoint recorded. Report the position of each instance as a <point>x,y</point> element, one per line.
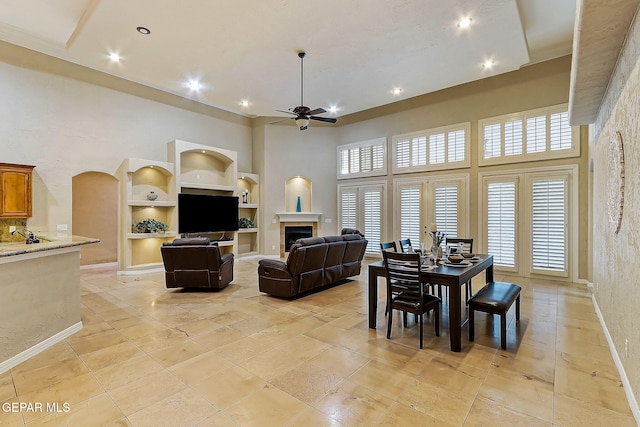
<point>203,213</point>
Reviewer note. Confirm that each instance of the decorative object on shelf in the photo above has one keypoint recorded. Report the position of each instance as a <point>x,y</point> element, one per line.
<point>245,196</point>
<point>615,182</point>
<point>152,196</point>
<point>246,223</point>
<point>299,205</point>
<point>437,239</point>
<point>149,225</point>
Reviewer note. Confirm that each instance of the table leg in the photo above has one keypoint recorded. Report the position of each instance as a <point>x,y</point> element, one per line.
<point>455,322</point>
<point>373,297</point>
<point>489,275</point>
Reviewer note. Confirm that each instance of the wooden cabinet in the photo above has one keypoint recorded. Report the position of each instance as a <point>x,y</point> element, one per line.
<point>15,190</point>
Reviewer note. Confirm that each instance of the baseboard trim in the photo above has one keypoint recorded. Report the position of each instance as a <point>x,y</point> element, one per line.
<point>38,348</point>
<point>633,403</point>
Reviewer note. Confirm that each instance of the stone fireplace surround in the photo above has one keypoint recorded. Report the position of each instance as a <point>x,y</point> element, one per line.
<point>297,219</point>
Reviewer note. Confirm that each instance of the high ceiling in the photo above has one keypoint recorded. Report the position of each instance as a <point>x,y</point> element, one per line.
<point>358,51</point>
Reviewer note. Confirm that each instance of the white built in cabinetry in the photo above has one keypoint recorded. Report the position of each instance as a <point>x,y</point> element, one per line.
<point>201,169</point>
<point>148,191</point>
<point>249,195</point>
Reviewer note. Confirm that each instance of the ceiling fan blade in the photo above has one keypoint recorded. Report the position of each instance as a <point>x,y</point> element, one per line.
<point>317,111</point>
<point>288,112</point>
<point>323,119</point>
<point>281,120</point>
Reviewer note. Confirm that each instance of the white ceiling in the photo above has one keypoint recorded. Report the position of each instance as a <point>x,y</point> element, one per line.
<point>357,50</point>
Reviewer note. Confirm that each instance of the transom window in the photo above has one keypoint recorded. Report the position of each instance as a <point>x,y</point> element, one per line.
<point>367,158</point>
<point>538,134</point>
<point>432,149</point>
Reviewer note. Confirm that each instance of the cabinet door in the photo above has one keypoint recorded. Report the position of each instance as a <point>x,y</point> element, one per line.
<point>16,194</point>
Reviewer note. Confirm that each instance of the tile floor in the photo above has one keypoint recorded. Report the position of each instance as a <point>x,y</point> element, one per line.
<point>148,356</point>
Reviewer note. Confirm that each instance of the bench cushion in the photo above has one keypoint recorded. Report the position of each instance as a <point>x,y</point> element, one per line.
<point>495,297</point>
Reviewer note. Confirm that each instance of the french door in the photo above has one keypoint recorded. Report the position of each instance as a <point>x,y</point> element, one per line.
<point>527,221</point>
<point>360,207</point>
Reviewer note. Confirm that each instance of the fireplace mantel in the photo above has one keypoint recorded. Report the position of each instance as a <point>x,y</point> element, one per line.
<point>299,216</point>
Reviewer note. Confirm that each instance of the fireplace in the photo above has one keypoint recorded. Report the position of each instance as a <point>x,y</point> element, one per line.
<point>295,232</point>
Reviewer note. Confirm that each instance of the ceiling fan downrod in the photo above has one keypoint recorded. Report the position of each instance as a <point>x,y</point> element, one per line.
<point>301,55</point>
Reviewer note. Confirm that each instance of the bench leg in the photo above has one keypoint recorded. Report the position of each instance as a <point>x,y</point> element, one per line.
<point>471,327</point>
<point>518,308</point>
<point>503,331</point>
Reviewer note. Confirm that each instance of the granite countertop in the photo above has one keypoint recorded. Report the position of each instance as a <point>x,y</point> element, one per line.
<point>47,242</point>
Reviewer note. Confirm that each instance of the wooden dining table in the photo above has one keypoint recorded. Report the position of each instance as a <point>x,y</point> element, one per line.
<point>452,277</point>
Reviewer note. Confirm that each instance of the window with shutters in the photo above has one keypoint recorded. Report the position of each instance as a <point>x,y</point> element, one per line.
<point>441,148</point>
<point>548,224</point>
<point>436,199</point>
<point>367,158</point>
<point>446,209</point>
<point>360,207</point>
<point>501,218</point>
<point>410,211</point>
<point>538,134</point>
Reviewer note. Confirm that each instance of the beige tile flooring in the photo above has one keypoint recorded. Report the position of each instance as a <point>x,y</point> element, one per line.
<point>148,356</point>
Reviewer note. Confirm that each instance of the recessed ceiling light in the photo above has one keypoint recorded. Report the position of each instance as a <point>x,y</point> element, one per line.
<point>333,109</point>
<point>464,22</point>
<point>143,30</point>
<point>244,103</point>
<point>488,63</point>
<point>397,91</point>
<point>114,57</point>
<point>194,85</point>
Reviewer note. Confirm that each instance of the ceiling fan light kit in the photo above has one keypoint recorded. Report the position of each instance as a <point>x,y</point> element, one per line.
<point>304,114</point>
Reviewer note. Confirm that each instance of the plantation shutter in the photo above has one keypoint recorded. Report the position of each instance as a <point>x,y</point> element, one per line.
<point>348,209</point>
<point>372,216</point>
<point>436,148</point>
<point>455,146</point>
<point>501,223</point>
<point>446,209</point>
<point>419,151</point>
<point>492,141</point>
<point>378,156</point>
<point>410,213</point>
<point>536,134</point>
<point>560,132</point>
<point>513,138</point>
<point>403,154</point>
<point>548,219</point>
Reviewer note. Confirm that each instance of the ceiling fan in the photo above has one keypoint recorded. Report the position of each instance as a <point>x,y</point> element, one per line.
<point>302,113</point>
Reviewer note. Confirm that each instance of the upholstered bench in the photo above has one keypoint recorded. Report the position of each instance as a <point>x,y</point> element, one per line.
<point>495,298</point>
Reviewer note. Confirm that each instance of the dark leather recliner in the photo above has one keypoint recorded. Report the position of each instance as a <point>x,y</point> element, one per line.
<point>312,263</point>
<point>196,263</point>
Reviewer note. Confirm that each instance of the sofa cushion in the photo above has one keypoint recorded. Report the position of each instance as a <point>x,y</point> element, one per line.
<point>308,241</point>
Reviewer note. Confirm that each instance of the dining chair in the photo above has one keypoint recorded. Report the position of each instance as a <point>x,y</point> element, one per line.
<point>388,246</point>
<point>405,244</point>
<point>405,291</point>
<point>467,246</point>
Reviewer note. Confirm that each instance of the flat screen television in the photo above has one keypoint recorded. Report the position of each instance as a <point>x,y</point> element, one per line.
<point>204,213</point>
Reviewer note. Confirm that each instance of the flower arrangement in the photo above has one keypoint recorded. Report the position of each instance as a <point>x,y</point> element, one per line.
<point>437,236</point>
<point>149,225</point>
<point>245,223</point>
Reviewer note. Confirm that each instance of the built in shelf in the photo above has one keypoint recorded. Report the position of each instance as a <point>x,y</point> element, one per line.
<point>151,203</point>
<point>205,186</point>
<point>151,235</point>
<point>299,216</point>
<point>247,230</point>
<point>248,206</point>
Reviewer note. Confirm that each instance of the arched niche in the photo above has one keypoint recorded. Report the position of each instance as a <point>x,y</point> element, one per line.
<point>94,213</point>
<point>298,186</point>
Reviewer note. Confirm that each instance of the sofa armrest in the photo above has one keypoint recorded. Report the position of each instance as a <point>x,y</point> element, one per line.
<point>274,268</point>
<point>225,258</point>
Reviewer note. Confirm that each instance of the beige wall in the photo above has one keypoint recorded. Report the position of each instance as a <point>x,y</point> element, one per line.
<point>532,87</point>
<point>286,152</point>
<point>66,120</point>
<point>615,256</point>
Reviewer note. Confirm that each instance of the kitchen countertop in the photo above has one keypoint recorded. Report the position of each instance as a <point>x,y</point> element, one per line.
<point>48,242</point>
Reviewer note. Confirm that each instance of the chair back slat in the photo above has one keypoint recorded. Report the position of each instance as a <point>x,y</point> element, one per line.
<point>405,244</point>
<point>403,274</point>
<point>388,246</point>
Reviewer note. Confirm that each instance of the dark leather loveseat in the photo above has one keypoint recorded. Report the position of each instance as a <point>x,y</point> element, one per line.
<point>196,263</point>
<point>312,263</point>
